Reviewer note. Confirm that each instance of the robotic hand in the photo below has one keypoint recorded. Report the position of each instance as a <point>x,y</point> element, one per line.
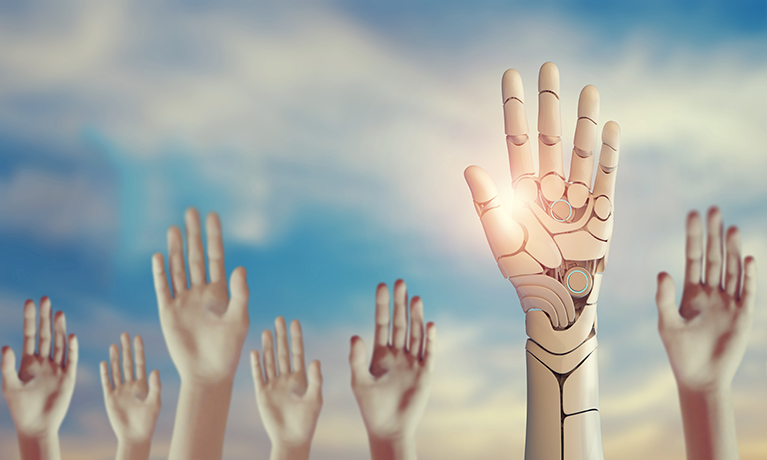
<point>554,249</point>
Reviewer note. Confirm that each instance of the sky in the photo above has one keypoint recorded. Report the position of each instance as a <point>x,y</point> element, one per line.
<point>331,137</point>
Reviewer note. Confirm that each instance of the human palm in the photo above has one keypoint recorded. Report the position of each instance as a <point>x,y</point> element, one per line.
<point>39,395</point>
<point>290,400</point>
<point>706,337</point>
<point>132,401</point>
<point>393,391</point>
<point>553,246</point>
<point>203,327</point>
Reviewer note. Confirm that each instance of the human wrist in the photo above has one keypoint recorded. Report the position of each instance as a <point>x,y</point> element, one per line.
<point>290,451</point>
<point>203,383</point>
<point>133,449</point>
<point>39,446</point>
<point>395,447</point>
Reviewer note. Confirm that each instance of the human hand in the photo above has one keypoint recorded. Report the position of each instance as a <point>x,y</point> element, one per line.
<point>203,328</point>
<point>39,395</point>
<point>289,403</point>
<point>393,391</point>
<point>132,403</point>
<point>706,337</point>
<point>555,246</point>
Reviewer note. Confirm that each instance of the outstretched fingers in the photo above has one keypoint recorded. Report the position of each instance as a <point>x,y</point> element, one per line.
<point>194,247</point>
<point>416,327</point>
<point>255,367</point>
<point>60,337</point>
<point>176,260</point>
<point>607,171</point>
<point>161,288</point>
<point>283,356</point>
<point>714,248</point>
<point>30,328</point>
<point>430,348</point>
<point>238,303</point>
<point>8,367</point>
<point>127,357</point>
<point>114,362</point>
<point>515,124</point>
<point>504,235</point>
<point>267,344</point>
<point>106,385</point>
<point>399,327</point>
<point>215,248</point>
<point>382,316</point>
<point>155,387</point>
<point>358,360</point>
<point>665,299</point>
<point>748,296</point>
<point>73,354</point>
<point>138,350</point>
<point>733,268</point>
<point>297,346</point>
<point>314,380</point>
<point>44,347</point>
<point>694,249</point>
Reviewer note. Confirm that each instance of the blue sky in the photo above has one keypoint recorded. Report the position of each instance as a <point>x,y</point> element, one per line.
<point>331,137</point>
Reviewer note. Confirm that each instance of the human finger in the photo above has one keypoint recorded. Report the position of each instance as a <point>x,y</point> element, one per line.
<point>733,268</point>
<point>399,326</point>
<point>416,326</point>
<point>215,248</point>
<point>714,248</point>
<point>194,247</point>
<point>44,347</point>
<point>430,348</point>
<point>138,351</point>
<point>694,249</point>
<point>297,346</point>
<point>382,316</point>
<point>30,328</point>
<point>267,344</point>
<point>283,356</point>
<point>114,360</point>
<point>176,260</point>
<point>60,336</point>
<point>255,368</point>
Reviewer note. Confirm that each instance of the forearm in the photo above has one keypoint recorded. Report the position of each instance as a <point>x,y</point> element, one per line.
<point>200,424</point>
<point>563,403</point>
<point>709,424</point>
<point>39,447</point>
<point>392,449</point>
<point>133,450</point>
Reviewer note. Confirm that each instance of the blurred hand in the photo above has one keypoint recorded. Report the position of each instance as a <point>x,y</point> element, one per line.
<point>39,395</point>
<point>132,403</point>
<point>289,403</point>
<point>203,328</point>
<point>392,393</point>
<point>706,337</point>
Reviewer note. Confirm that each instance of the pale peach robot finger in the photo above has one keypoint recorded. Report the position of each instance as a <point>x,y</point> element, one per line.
<point>517,138</point>
<point>550,133</point>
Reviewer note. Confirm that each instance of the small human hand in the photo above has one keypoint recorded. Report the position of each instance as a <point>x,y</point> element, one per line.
<point>39,395</point>
<point>133,403</point>
<point>203,327</point>
<point>392,393</point>
<point>706,337</point>
<point>289,403</point>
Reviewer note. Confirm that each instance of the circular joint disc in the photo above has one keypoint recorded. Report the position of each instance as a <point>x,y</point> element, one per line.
<point>578,282</point>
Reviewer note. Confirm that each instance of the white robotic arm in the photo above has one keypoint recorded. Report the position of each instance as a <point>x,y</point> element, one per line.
<point>553,250</point>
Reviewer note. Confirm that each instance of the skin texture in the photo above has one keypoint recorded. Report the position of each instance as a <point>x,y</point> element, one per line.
<point>204,329</point>
<point>132,402</point>
<point>289,400</point>
<point>393,390</point>
<point>39,395</point>
<point>706,335</point>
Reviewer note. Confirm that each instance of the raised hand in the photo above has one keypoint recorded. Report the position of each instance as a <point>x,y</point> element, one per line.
<point>204,329</point>
<point>553,248</point>
<point>393,391</point>
<point>132,402</point>
<point>706,336</point>
<point>288,401</point>
<point>39,395</point>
